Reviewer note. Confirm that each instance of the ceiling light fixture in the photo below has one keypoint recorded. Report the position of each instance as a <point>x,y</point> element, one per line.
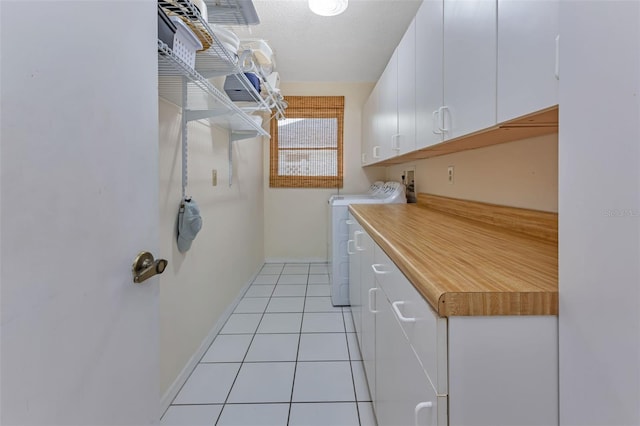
<point>328,7</point>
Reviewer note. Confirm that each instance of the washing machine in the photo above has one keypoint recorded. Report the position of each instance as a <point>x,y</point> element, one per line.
<point>375,189</point>
<point>391,192</point>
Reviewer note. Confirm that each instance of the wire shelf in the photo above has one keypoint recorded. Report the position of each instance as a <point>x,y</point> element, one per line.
<point>232,12</point>
<point>217,60</point>
<point>203,100</point>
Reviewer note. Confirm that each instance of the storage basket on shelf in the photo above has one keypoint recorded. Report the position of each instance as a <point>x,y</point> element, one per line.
<point>166,28</point>
<point>185,42</point>
<point>236,90</point>
<point>192,14</point>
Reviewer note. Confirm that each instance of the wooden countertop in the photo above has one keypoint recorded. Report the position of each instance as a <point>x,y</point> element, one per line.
<point>462,266</point>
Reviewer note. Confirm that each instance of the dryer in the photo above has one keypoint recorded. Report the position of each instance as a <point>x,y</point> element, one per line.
<point>391,192</point>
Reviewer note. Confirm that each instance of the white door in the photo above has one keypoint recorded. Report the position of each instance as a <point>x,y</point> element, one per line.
<point>79,201</point>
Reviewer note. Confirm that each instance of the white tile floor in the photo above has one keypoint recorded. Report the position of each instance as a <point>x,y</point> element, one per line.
<point>286,356</point>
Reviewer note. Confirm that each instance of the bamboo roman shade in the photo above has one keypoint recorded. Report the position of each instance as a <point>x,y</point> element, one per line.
<point>306,147</point>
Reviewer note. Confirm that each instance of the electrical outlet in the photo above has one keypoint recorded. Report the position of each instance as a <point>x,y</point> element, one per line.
<point>450,174</point>
<point>214,177</point>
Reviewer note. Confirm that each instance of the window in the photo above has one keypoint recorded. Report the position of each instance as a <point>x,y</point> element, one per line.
<point>306,147</point>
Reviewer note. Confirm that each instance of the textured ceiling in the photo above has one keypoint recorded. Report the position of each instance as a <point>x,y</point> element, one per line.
<point>352,47</point>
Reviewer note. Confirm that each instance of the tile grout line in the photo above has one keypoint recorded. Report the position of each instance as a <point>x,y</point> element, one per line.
<point>224,404</point>
<point>205,352</point>
<point>295,366</point>
<point>353,376</point>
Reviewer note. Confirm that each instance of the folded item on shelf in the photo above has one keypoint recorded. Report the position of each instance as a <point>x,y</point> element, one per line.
<point>254,80</point>
<point>227,36</point>
<point>261,51</point>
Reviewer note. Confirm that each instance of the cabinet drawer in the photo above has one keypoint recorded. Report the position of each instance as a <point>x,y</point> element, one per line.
<point>423,328</point>
<point>404,393</point>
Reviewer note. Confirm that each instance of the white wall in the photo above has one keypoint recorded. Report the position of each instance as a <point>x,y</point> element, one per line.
<point>599,213</point>
<point>296,220</point>
<point>518,174</point>
<point>198,286</point>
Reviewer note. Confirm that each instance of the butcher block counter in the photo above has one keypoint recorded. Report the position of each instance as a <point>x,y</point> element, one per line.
<point>468,258</point>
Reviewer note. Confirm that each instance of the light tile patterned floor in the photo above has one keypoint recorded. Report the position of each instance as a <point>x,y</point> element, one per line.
<point>286,356</point>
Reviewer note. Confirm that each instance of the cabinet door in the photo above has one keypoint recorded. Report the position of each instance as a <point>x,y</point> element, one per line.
<point>368,127</point>
<point>369,296</point>
<point>527,31</point>
<point>429,78</point>
<point>404,394</point>
<point>469,66</point>
<point>355,271</point>
<point>388,110</point>
<point>377,124</point>
<point>503,370</point>
<point>405,139</point>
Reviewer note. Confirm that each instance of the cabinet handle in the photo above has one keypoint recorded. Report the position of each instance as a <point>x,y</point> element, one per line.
<point>376,152</point>
<point>418,408</point>
<point>350,222</point>
<point>376,268</point>
<point>435,126</point>
<point>401,317</point>
<point>557,70</point>
<point>371,293</point>
<point>441,115</point>
<point>356,238</point>
<point>349,242</point>
<point>395,142</point>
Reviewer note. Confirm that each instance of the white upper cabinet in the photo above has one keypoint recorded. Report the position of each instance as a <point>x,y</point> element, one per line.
<point>527,31</point>
<point>388,110</point>
<point>369,127</point>
<point>429,78</point>
<point>463,66</point>
<point>405,139</point>
<point>470,52</point>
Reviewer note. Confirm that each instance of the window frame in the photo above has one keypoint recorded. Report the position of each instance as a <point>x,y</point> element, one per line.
<point>309,107</point>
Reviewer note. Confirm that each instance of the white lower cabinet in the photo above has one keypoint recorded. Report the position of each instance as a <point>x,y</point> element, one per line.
<point>404,393</point>
<point>369,297</point>
<point>355,273</point>
<point>426,370</point>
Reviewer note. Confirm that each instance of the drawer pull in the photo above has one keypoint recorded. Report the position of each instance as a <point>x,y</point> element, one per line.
<point>371,292</point>
<point>401,317</point>
<point>349,242</point>
<point>419,407</point>
<point>376,268</point>
<point>356,238</point>
<point>350,222</point>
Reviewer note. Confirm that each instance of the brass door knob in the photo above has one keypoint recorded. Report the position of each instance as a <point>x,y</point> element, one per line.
<point>145,267</point>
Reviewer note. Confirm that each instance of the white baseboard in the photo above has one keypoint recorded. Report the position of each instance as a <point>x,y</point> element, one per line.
<point>177,384</point>
<point>296,260</point>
